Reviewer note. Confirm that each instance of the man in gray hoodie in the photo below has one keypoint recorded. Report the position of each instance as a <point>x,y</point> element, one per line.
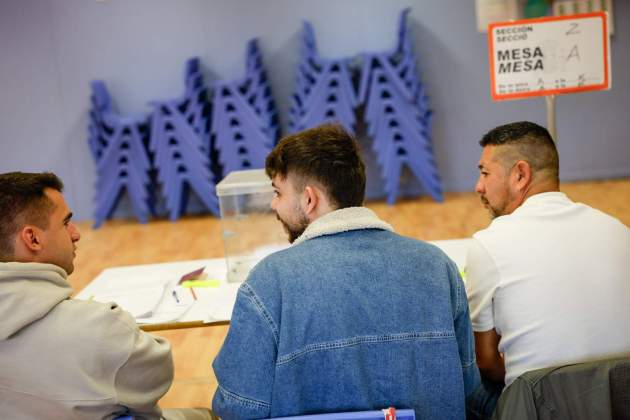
<point>62,358</point>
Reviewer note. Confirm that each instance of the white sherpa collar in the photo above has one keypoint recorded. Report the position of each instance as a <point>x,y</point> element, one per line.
<point>343,220</point>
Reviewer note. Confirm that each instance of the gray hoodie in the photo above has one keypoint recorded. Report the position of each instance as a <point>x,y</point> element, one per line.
<point>71,359</point>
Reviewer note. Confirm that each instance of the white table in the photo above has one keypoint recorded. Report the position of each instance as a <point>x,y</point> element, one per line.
<point>213,305</point>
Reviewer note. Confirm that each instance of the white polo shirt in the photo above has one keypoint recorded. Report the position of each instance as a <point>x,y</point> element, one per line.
<point>553,279</point>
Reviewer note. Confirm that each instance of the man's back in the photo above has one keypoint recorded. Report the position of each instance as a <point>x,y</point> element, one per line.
<point>552,279</point>
<point>63,358</point>
<point>351,321</point>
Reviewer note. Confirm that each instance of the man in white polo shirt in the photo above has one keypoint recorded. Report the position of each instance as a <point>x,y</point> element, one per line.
<point>548,281</point>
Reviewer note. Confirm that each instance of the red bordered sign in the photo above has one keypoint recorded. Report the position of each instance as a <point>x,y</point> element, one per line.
<point>549,56</point>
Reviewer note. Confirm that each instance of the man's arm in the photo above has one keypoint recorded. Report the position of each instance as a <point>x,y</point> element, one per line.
<point>245,366</point>
<point>147,373</point>
<point>489,360</point>
<point>482,280</point>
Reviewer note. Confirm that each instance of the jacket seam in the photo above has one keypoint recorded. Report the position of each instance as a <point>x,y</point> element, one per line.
<point>53,398</point>
<point>136,332</point>
<point>354,341</point>
<point>460,307</point>
<point>262,310</point>
<point>459,291</point>
<point>468,364</point>
<point>244,400</point>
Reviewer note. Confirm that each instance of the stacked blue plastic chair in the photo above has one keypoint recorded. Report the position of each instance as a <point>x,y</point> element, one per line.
<point>257,89</point>
<point>244,118</point>
<point>397,115</point>
<point>100,106</point>
<point>324,90</point>
<point>180,142</point>
<point>122,163</point>
<point>193,104</point>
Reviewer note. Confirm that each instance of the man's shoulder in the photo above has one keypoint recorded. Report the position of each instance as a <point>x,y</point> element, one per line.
<point>274,269</point>
<point>601,218</point>
<point>499,228</point>
<point>389,242</point>
<point>94,320</point>
<point>329,251</point>
<point>417,250</point>
<point>532,220</point>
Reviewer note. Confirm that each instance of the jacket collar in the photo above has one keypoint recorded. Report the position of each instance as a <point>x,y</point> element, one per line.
<point>343,220</point>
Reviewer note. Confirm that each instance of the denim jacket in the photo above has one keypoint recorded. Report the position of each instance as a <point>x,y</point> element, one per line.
<point>351,317</point>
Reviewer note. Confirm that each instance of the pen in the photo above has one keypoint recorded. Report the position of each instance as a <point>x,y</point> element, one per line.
<point>175,296</point>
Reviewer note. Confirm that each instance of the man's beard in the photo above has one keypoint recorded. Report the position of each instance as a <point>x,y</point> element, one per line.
<point>497,210</point>
<point>493,213</point>
<point>294,231</point>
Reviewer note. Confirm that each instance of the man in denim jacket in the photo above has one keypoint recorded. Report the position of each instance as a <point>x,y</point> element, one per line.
<point>352,316</point>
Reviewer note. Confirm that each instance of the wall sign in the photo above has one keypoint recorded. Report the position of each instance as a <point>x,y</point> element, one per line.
<point>549,56</point>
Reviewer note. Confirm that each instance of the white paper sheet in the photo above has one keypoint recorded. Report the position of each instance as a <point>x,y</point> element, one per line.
<point>173,305</point>
<point>140,302</point>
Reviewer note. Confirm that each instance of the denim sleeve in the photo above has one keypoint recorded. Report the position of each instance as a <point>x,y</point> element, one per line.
<point>464,333</point>
<point>245,365</point>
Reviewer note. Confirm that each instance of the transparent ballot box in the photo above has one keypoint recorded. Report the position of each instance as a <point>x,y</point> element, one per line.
<point>249,227</point>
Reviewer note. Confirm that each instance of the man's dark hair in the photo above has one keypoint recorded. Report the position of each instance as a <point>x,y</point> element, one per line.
<point>326,154</point>
<point>529,142</point>
<point>22,201</point>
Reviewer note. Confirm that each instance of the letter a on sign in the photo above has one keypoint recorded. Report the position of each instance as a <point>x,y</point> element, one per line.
<point>549,56</point>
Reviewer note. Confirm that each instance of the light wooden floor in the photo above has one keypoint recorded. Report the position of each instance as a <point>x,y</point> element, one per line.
<point>127,242</point>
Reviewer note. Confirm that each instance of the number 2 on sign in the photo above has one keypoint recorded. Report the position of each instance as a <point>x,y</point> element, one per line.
<point>573,29</point>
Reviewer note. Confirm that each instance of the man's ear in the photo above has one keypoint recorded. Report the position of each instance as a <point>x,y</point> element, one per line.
<point>310,200</point>
<point>521,175</point>
<point>31,238</point>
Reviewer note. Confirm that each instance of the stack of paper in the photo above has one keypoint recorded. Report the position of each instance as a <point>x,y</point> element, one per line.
<point>149,293</point>
<point>182,291</point>
<point>173,305</point>
<point>140,302</point>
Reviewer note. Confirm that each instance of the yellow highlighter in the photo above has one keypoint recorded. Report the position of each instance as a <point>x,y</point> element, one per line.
<point>201,283</point>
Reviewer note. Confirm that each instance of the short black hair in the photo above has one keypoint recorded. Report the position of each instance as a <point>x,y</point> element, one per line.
<point>23,201</point>
<point>527,141</point>
<point>327,154</point>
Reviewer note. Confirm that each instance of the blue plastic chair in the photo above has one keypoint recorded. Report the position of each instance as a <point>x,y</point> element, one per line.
<point>182,161</point>
<point>181,146</point>
<point>257,89</point>
<point>244,122</point>
<point>123,166</point>
<point>241,136</point>
<point>398,117</point>
<point>406,414</point>
<point>122,161</point>
<point>324,90</point>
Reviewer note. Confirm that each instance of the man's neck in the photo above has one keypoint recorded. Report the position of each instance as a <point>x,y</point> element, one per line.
<point>323,208</point>
<point>539,188</point>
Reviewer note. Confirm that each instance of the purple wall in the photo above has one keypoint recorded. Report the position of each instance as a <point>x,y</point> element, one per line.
<point>51,49</point>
